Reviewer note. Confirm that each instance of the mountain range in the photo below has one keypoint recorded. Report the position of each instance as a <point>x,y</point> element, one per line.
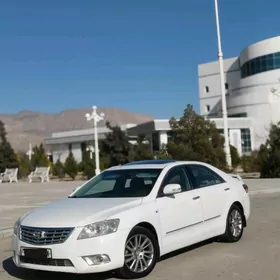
<point>33,126</point>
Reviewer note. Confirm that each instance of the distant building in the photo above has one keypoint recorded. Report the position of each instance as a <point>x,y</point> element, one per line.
<point>252,83</point>
<point>61,143</point>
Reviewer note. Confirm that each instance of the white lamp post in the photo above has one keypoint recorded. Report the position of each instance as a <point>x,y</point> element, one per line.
<point>223,92</point>
<point>30,152</point>
<point>96,118</point>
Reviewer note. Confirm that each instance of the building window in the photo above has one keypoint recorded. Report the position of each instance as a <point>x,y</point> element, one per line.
<point>206,89</point>
<point>226,86</point>
<point>207,108</point>
<point>261,64</point>
<point>246,141</point>
<point>240,115</point>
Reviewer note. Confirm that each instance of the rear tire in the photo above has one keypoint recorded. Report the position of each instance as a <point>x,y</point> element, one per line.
<point>234,225</point>
<point>141,254</point>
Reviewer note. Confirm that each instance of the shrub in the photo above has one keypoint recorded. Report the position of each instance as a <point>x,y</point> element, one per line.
<point>58,169</point>
<point>235,158</point>
<point>251,163</point>
<point>70,166</point>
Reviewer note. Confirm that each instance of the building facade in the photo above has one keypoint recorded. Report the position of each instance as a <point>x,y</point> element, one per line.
<point>252,84</point>
<point>59,145</point>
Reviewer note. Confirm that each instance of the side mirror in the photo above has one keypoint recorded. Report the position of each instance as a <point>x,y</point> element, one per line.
<point>171,189</point>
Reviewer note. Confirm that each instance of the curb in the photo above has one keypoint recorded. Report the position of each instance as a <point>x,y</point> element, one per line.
<point>7,232</point>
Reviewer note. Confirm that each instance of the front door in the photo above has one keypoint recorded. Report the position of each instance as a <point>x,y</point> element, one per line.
<point>180,214</point>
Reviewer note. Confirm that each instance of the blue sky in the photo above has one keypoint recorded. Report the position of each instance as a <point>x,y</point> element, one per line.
<point>140,56</point>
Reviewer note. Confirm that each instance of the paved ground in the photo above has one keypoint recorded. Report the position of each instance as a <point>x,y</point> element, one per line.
<point>17,199</point>
<point>255,257</point>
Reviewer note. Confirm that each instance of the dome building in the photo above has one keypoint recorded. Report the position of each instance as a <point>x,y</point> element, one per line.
<point>252,83</point>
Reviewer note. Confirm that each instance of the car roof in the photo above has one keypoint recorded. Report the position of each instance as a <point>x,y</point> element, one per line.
<point>153,164</point>
<point>153,161</point>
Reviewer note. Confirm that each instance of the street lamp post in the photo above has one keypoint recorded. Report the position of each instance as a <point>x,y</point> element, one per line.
<point>222,81</point>
<point>96,118</point>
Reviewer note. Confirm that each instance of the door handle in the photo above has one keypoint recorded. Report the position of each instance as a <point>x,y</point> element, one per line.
<point>196,197</point>
<point>227,189</point>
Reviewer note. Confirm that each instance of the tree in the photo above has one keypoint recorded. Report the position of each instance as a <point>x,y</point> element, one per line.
<point>235,158</point>
<point>70,166</point>
<point>251,163</point>
<point>142,150</point>
<point>194,138</point>
<point>8,157</point>
<point>58,169</point>
<point>163,153</point>
<point>39,157</point>
<point>116,145</point>
<point>269,154</point>
<point>88,165</point>
<point>24,166</point>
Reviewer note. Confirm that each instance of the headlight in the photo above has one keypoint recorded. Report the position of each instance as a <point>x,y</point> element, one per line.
<point>99,229</point>
<point>16,227</point>
<point>17,223</point>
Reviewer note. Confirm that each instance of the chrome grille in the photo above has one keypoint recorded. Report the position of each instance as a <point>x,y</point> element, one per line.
<point>44,236</point>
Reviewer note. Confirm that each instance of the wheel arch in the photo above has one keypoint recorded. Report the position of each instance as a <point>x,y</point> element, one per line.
<point>152,229</point>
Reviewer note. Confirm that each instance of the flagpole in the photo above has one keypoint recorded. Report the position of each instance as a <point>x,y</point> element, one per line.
<point>223,92</point>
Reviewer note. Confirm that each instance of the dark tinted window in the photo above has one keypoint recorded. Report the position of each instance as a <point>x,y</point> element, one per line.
<point>261,64</point>
<point>120,183</point>
<point>177,175</point>
<point>203,176</point>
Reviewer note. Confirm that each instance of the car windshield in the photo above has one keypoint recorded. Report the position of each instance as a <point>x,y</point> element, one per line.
<point>120,183</point>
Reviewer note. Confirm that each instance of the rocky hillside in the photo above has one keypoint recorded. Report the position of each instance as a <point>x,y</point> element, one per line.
<point>32,126</point>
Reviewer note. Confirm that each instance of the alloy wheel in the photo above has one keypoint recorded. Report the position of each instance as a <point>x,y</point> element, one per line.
<point>139,253</point>
<point>235,223</point>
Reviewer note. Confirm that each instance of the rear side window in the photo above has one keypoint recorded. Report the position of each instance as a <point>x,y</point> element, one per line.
<point>203,176</point>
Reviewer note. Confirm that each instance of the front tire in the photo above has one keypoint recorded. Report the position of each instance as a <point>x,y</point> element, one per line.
<point>141,254</point>
<point>234,225</point>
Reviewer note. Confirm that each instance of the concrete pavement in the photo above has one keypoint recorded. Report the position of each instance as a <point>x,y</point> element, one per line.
<point>256,256</point>
<point>17,199</point>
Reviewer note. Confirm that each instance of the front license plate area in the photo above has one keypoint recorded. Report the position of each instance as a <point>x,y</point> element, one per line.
<point>36,253</point>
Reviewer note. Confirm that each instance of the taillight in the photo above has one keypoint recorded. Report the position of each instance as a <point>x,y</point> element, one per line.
<point>245,187</point>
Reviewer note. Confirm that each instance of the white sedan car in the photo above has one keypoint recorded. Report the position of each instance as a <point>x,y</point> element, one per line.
<point>127,217</point>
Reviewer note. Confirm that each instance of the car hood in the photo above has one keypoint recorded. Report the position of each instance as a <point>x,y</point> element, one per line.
<point>74,212</point>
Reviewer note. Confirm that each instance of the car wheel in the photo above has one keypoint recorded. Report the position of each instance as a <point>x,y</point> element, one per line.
<point>234,226</point>
<point>140,255</point>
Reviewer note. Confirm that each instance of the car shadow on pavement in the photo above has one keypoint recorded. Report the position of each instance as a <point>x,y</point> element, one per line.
<point>25,274</point>
<point>188,249</point>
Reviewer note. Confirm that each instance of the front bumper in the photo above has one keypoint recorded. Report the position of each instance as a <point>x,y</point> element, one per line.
<point>67,257</point>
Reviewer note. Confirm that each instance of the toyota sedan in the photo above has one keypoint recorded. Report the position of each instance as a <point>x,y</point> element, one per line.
<point>127,217</point>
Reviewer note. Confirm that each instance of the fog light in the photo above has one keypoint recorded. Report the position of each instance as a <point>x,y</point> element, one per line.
<point>97,259</point>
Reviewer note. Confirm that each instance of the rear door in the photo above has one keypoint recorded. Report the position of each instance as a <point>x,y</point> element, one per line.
<point>214,192</point>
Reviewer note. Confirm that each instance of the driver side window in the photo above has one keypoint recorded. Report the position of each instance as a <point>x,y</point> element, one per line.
<point>176,175</point>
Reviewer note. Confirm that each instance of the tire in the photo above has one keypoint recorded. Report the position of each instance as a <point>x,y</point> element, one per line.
<point>146,261</point>
<point>234,225</point>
